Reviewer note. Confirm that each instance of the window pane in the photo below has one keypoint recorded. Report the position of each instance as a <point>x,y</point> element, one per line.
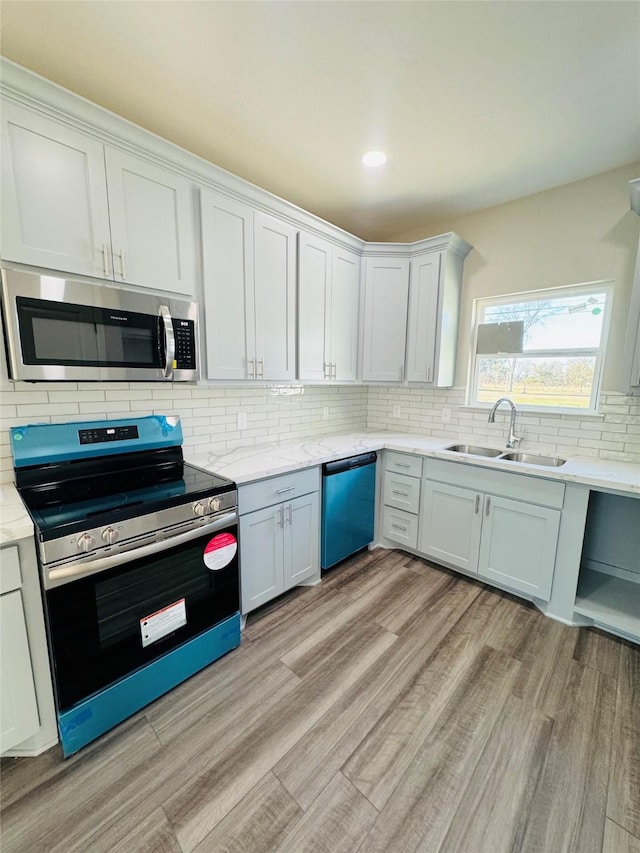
<point>565,322</point>
<point>553,381</point>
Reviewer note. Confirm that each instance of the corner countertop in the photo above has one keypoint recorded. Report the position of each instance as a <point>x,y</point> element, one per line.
<point>245,464</point>
<point>15,521</point>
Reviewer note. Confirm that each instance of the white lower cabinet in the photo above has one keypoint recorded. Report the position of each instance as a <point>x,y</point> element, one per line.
<point>401,496</point>
<point>19,718</point>
<point>279,543</point>
<point>501,535</point>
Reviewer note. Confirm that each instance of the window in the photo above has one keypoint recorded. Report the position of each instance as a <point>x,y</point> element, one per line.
<point>542,349</point>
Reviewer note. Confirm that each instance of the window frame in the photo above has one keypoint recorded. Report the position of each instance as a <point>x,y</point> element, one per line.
<point>605,286</point>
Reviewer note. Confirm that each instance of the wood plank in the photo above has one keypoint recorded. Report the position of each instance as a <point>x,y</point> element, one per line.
<point>259,822</point>
<point>575,772</point>
<point>203,802</point>
<point>597,649</point>
<point>618,840</point>
<point>153,834</point>
<point>502,784</point>
<point>337,821</point>
<point>623,804</point>
<point>418,812</point>
<point>314,760</point>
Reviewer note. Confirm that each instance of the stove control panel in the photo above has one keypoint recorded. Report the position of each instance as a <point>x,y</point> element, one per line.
<point>110,535</point>
<point>101,434</point>
<point>85,542</point>
<point>226,501</point>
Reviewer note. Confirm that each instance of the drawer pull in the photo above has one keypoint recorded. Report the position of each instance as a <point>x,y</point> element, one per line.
<point>282,491</point>
<point>403,494</point>
<point>487,506</point>
<point>477,504</point>
<point>402,465</point>
<point>399,527</point>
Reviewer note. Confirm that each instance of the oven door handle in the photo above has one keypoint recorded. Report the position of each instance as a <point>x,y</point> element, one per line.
<point>65,574</point>
<point>169,341</point>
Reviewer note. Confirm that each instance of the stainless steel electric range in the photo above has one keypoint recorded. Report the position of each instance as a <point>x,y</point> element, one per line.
<point>138,560</point>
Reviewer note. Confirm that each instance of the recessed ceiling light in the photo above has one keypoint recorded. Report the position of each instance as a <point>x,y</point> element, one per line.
<point>374,158</point>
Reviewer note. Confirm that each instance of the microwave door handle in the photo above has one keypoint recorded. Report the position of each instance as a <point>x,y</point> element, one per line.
<point>169,342</point>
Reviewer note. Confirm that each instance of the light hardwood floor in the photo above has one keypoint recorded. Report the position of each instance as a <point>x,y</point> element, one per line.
<point>396,707</point>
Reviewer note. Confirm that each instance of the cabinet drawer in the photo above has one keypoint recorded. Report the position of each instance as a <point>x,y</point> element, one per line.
<point>10,578</point>
<point>403,463</point>
<point>401,527</point>
<point>264,493</point>
<point>402,492</point>
<point>522,487</point>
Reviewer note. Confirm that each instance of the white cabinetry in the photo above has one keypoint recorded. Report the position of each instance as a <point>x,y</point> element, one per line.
<point>18,706</point>
<point>249,262</point>
<point>279,535</point>
<point>328,301</point>
<point>401,496</point>
<point>386,293</point>
<point>434,308</point>
<point>502,526</point>
<point>71,203</point>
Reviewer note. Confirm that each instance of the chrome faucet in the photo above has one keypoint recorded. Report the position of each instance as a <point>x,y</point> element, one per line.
<point>514,440</point>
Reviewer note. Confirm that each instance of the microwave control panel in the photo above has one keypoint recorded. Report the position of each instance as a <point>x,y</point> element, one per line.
<point>185,337</point>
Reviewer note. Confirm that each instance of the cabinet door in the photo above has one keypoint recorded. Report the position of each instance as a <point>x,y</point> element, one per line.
<point>18,707</point>
<point>54,196</point>
<point>301,540</point>
<point>152,229</point>
<point>518,546</point>
<point>450,524</point>
<point>227,237</point>
<point>275,297</point>
<point>314,281</point>
<point>385,319</point>
<point>423,317</point>
<point>342,310</point>
<point>261,556</point>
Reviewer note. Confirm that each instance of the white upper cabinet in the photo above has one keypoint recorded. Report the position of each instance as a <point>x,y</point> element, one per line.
<point>275,297</point>
<point>328,295</point>
<point>54,196</point>
<point>249,262</point>
<point>151,224</point>
<point>65,207</point>
<point>386,286</point>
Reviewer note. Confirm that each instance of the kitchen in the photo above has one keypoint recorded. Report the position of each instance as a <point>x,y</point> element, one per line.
<point>582,231</point>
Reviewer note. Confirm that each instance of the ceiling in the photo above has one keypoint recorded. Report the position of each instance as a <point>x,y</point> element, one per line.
<point>475,103</point>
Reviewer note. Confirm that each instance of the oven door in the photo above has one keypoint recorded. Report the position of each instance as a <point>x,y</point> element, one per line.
<point>107,624</point>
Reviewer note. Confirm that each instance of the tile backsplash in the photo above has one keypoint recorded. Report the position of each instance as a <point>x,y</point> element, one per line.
<point>281,413</point>
<point>209,415</point>
<point>612,434</point>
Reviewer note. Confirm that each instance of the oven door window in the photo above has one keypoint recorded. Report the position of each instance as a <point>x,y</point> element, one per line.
<point>105,626</point>
<point>68,335</point>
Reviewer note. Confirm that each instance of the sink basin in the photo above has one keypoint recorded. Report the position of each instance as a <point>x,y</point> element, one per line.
<point>474,450</point>
<point>533,459</point>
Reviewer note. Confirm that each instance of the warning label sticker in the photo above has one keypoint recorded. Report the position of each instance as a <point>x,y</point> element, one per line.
<point>163,622</point>
<point>220,551</point>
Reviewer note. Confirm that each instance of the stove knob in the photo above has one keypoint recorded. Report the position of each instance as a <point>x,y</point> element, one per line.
<point>199,509</point>
<point>215,504</point>
<point>110,535</point>
<point>85,541</point>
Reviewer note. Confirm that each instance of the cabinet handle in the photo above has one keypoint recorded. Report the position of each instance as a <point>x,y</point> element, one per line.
<point>326,370</point>
<point>428,374</point>
<point>282,491</point>
<point>477,504</point>
<point>487,506</point>
<point>289,516</point>
<point>105,259</point>
<point>251,368</point>
<point>402,494</point>
<point>402,373</point>
<point>402,465</point>
<point>261,373</point>
<point>280,516</point>
<point>123,268</point>
<point>399,527</point>
<point>334,370</point>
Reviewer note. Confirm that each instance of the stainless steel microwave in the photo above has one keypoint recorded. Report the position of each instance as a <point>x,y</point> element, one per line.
<point>62,329</point>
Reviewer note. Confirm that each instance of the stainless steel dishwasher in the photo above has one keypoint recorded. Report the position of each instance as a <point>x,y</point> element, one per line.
<point>348,506</point>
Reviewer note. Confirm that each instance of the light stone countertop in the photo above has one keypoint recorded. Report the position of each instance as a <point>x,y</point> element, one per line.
<point>245,464</point>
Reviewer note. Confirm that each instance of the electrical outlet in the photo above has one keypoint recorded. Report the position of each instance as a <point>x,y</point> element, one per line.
<point>396,411</point>
<point>242,420</point>
<point>325,413</point>
<point>446,416</point>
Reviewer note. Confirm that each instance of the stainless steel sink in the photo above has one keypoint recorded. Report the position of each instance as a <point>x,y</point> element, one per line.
<point>534,459</point>
<point>474,450</point>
